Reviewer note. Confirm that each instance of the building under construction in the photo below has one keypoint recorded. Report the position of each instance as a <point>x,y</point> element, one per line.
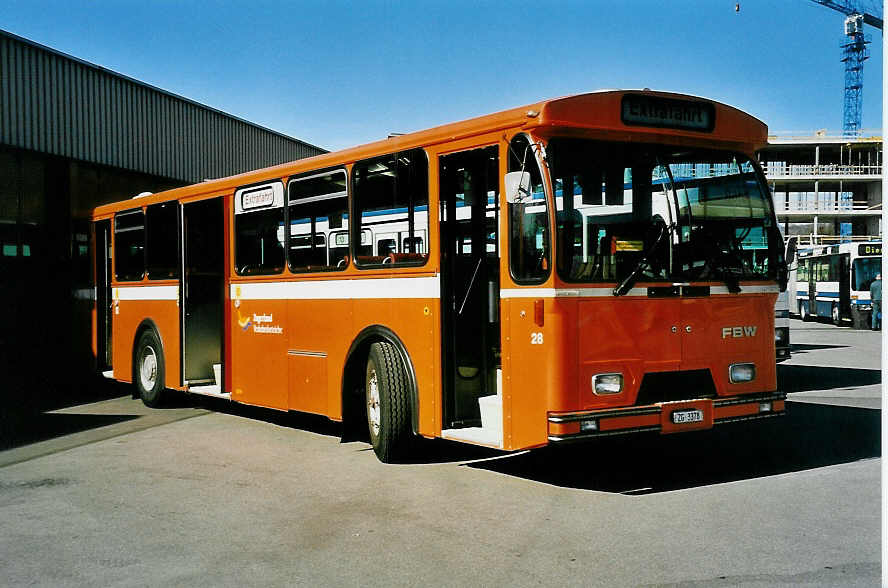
<point>827,188</point>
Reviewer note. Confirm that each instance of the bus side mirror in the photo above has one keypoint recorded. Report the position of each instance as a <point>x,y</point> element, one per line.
<point>517,187</point>
<point>791,247</point>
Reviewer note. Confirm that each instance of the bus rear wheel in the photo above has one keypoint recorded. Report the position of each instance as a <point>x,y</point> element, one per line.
<point>388,403</point>
<point>148,371</point>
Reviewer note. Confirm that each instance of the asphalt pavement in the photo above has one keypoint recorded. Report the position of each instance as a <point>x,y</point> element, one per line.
<point>212,494</point>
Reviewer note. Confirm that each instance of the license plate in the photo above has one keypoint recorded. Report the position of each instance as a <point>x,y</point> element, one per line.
<point>680,417</point>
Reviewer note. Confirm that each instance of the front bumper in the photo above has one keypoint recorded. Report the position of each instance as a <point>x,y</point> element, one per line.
<point>590,424</point>
<point>783,353</point>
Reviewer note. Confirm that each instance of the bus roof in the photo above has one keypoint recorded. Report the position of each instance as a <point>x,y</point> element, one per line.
<point>861,248</point>
<point>591,115</point>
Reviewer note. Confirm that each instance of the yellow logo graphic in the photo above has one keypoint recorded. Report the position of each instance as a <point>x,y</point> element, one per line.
<point>244,322</point>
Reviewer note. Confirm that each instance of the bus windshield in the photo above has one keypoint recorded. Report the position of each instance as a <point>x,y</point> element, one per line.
<point>864,270</point>
<point>635,212</point>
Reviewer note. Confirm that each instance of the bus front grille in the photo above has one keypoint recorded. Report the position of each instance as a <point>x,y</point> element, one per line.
<point>673,386</point>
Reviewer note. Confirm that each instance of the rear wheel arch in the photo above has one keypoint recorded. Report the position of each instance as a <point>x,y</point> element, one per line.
<point>147,325</point>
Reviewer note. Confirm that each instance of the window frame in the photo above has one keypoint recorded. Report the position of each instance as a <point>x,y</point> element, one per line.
<point>330,231</point>
<point>538,157</point>
<point>356,228</point>
<point>177,261</point>
<point>116,249</point>
<point>241,190</point>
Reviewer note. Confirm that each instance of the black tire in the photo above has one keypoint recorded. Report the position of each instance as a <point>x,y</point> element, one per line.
<point>388,403</point>
<point>835,316</point>
<point>148,369</point>
<point>803,312</point>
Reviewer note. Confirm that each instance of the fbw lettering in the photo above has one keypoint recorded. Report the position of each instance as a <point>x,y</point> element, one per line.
<point>738,332</point>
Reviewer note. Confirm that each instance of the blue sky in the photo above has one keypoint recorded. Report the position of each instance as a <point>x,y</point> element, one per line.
<point>338,74</point>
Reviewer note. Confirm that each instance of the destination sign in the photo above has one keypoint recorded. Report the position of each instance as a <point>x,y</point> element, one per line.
<point>651,111</point>
<point>258,198</point>
<point>869,249</point>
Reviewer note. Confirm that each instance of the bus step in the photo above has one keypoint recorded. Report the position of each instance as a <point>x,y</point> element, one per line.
<point>210,390</point>
<point>490,433</point>
<point>476,435</point>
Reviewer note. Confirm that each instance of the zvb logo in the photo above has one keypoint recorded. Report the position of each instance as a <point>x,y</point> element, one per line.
<point>739,332</point>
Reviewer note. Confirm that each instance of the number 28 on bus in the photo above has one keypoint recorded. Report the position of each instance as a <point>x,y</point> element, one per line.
<point>593,265</point>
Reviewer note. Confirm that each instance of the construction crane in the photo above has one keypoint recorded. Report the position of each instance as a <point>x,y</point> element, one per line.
<point>854,53</point>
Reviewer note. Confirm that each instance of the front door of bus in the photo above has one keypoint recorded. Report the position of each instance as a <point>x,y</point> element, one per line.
<point>469,282</point>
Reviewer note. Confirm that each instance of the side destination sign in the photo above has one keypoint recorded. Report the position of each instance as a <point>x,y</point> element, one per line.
<point>651,111</point>
<point>258,197</point>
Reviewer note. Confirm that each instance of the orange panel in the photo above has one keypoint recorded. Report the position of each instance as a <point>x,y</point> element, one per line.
<point>730,329</point>
<point>417,324</point>
<point>322,328</point>
<point>125,320</point>
<point>308,382</point>
<point>259,352</point>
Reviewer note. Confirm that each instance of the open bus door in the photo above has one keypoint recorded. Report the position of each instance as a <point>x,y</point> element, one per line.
<point>203,292</point>
<point>103,295</point>
<point>812,290</point>
<point>470,291</point>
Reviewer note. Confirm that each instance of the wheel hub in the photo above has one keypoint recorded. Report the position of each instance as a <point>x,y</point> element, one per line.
<point>373,414</point>
<point>148,368</point>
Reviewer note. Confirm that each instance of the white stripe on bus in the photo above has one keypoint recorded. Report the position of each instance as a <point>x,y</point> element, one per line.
<point>363,288</point>
<point>146,293</point>
<point>609,291</point>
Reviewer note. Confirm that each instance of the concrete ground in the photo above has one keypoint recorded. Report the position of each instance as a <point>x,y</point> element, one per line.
<point>206,493</point>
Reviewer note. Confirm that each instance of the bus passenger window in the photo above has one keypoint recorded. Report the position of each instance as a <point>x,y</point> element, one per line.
<point>259,229</point>
<point>386,246</point>
<point>392,202</point>
<point>162,241</point>
<point>412,245</point>
<point>528,221</point>
<point>318,202</point>
<point>129,245</point>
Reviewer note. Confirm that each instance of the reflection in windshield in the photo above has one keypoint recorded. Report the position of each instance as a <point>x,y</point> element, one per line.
<point>614,202</point>
<point>865,270</point>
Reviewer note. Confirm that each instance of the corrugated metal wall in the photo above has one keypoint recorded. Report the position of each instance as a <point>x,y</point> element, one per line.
<point>53,103</point>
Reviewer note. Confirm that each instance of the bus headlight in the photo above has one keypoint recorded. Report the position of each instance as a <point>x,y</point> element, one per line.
<point>781,336</point>
<point>603,384</point>
<point>739,373</point>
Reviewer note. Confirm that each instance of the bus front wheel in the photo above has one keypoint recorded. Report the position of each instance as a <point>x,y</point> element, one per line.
<point>388,403</point>
<point>148,371</point>
<point>803,312</point>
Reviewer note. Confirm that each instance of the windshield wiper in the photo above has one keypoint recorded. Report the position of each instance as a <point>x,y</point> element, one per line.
<point>643,264</point>
<point>718,262</point>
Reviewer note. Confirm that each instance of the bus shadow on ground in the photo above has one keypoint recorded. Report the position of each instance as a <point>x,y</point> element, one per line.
<point>804,378</point>
<point>23,423</point>
<point>806,347</point>
<point>45,426</point>
<point>809,436</point>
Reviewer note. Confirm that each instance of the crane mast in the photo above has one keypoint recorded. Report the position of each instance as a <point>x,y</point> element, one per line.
<point>854,53</point>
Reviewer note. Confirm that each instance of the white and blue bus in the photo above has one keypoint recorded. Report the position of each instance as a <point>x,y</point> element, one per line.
<point>833,281</point>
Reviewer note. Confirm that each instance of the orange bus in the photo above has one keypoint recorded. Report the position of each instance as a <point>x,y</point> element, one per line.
<point>591,265</point>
